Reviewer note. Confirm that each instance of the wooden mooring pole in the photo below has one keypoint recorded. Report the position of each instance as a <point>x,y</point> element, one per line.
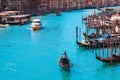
<point>77,34</point>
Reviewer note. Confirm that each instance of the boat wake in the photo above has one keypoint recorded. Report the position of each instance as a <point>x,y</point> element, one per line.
<point>79,67</point>
<point>29,28</point>
<point>9,67</point>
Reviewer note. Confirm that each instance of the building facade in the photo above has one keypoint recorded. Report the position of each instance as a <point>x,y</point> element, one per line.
<point>24,6</point>
<point>0,6</point>
<point>3,4</point>
<point>36,7</point>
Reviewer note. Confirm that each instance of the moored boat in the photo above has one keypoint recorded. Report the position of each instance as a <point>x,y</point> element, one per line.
<point>5,14</point>
<point>18,19</point>
<point>109,55</point>
<point>99,43</point>
<point>85,43</point>
<point>36,24</point>
<point>4,25</point>
<point>92,35</point>
<point>112,59</point>
<point>64,62</point>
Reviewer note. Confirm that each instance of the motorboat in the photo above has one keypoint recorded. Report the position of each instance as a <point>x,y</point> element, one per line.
<point>36,24</point>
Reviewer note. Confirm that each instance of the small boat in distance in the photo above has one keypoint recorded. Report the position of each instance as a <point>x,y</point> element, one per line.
<point>4,25</point>
<point>64,62</point>
<point>58,13</point>
<point>36,24</point>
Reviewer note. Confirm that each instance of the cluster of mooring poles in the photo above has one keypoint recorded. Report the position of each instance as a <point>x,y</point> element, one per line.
<point>105,35</point>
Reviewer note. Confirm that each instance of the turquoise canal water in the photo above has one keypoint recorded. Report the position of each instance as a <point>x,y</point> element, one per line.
<point>34,55</point>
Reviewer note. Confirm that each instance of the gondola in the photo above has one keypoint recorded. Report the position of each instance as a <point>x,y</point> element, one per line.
<point>64,62</point>
<point>92,35</point>
<point>112,59</point>
<point>113,56</point>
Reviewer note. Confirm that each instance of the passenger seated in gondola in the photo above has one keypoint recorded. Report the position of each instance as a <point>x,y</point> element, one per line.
<point>64,60</point>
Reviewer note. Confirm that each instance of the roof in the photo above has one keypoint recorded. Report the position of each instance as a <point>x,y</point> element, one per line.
<point>6,13</point>
<point>19,16</point>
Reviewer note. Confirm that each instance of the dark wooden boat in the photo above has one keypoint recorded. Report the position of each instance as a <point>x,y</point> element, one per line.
<point>58,13</point>
<point>97,44</point>
<point>64,61</point>
<point>92,35</point>
<point>112,59</point>
<point>100,42</point>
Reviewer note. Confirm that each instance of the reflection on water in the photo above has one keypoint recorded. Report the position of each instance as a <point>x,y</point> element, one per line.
<point>65,74</point>
<point>8,66</point>
<point>108,71</point>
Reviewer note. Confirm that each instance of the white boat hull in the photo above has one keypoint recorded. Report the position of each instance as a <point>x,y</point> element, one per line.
<point>36,27</point>
<point>36,24</point>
